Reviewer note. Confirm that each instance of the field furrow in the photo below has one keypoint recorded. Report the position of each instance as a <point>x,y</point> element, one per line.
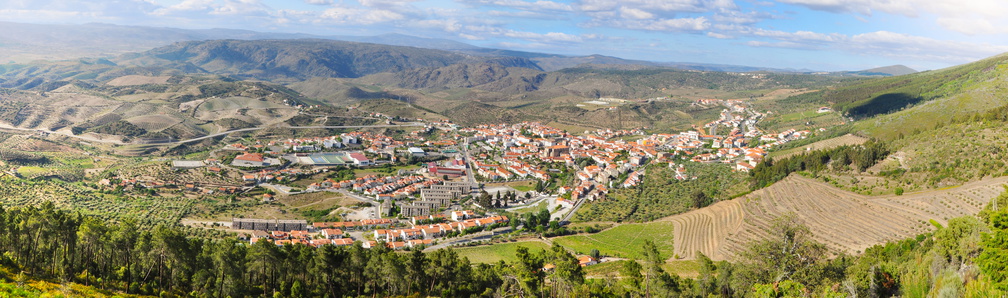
<point>843,220</point>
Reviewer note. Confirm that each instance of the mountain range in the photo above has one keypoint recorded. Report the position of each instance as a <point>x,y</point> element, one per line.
<point>28,42</point>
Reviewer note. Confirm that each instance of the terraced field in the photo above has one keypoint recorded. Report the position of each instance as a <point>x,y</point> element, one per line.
<point>843,220</point>
<point>847,139</point>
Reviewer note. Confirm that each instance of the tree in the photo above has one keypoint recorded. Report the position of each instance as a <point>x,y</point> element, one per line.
<point>993,260</point>
<point>789,252</point>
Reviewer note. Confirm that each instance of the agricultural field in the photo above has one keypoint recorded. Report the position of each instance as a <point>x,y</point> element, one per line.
<point>624,241</point>
<point>488,254</point>
<point>704,229</point>
<point>147,210</point>
<point>843,220</point>
<point>847,139</point>
<point>131,80</point>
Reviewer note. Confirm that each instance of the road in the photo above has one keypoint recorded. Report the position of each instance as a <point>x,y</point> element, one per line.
<point>469,238</point>
<point>411,124</point>
<point>117,142</point>
<point>566,219</point>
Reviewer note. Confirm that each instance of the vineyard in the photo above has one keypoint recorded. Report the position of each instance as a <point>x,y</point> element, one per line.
<point>843,220</point>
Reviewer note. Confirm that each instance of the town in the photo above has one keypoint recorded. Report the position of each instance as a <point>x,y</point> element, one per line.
<point>421,206</point>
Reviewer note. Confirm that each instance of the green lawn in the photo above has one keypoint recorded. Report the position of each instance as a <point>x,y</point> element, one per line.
<point>500,251</point>
<point>624,240</point>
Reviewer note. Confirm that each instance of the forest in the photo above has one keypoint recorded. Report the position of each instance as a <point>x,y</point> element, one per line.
<point>965,258</point>
<point>661,194</point>
<point>841,158</point>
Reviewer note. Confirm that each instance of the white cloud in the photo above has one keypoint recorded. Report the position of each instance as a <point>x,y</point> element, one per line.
<point>386,3</point>
<point>633,13</point>
<point>964,16</point>
<point>719,35</point>
<point>659,5</point>
<point>695,25</point>
<point>319,2</point>
<point>973,26</point>
<point>876,44</point>
<point>241,7</point>
<point>357,16</point>
<point>541,5</point>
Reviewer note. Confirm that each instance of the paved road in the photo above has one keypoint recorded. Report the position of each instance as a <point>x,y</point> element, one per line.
<point>291,127</point>
<point>91,139</point>
<point>566,219</point>
<point>469,238</point>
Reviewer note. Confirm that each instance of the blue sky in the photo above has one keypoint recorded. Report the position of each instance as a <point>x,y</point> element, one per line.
<point>799,34</point>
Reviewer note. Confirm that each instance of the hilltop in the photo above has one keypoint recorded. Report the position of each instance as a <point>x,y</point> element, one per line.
<point>892,70</point>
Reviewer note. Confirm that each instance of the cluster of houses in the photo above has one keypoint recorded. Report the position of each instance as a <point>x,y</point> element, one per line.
<point>388,187</point>
<point>526,144</point>
<point>288,174</point>
<point>289,232</point>
<point>425,234</point>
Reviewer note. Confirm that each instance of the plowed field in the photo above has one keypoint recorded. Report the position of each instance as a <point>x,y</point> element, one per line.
<point>843,220</point>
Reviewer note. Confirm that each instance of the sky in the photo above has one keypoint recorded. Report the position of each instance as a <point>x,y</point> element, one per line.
<point>825,35</point>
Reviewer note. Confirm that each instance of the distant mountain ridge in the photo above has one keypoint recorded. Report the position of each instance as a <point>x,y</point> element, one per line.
<point>893,70</point>
<point>292,60</point>
<point>26,42</point>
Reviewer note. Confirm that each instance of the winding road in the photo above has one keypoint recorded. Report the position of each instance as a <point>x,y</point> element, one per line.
<point>91,139</point>
<point>411,124</point>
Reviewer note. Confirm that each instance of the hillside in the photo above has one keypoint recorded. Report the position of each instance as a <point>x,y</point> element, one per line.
<point>844,221</point>
<point>892,70</point>
<point>142,108</point>
<point>963,89</point>
<point>295,59</point>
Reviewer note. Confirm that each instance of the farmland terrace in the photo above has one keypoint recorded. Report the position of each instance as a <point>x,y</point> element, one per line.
<point>843,220</point>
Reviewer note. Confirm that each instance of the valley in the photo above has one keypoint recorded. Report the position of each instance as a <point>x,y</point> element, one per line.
<point>332,153</point>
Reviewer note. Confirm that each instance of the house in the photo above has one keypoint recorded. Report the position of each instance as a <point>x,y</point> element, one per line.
<point>342,242</point>
<point>461,215</point>
<point>396,245</point>
<point>359,159</point>
<point>332,233</point>
<point>587,261</point>
<point>249,160</point>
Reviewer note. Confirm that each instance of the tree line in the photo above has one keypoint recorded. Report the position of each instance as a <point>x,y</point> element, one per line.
<point>842,158</point>
<point>964,258</point>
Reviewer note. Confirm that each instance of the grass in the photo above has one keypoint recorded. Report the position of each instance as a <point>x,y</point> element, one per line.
<point>29,171</point>
<point>625,241</point>
<point>522,186</point>
<point>535,208</point>
<point>683,268</point>
<point>499,252</point>
<point>573,129</point>
<point>847,139</point>
<point>32,287</point>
